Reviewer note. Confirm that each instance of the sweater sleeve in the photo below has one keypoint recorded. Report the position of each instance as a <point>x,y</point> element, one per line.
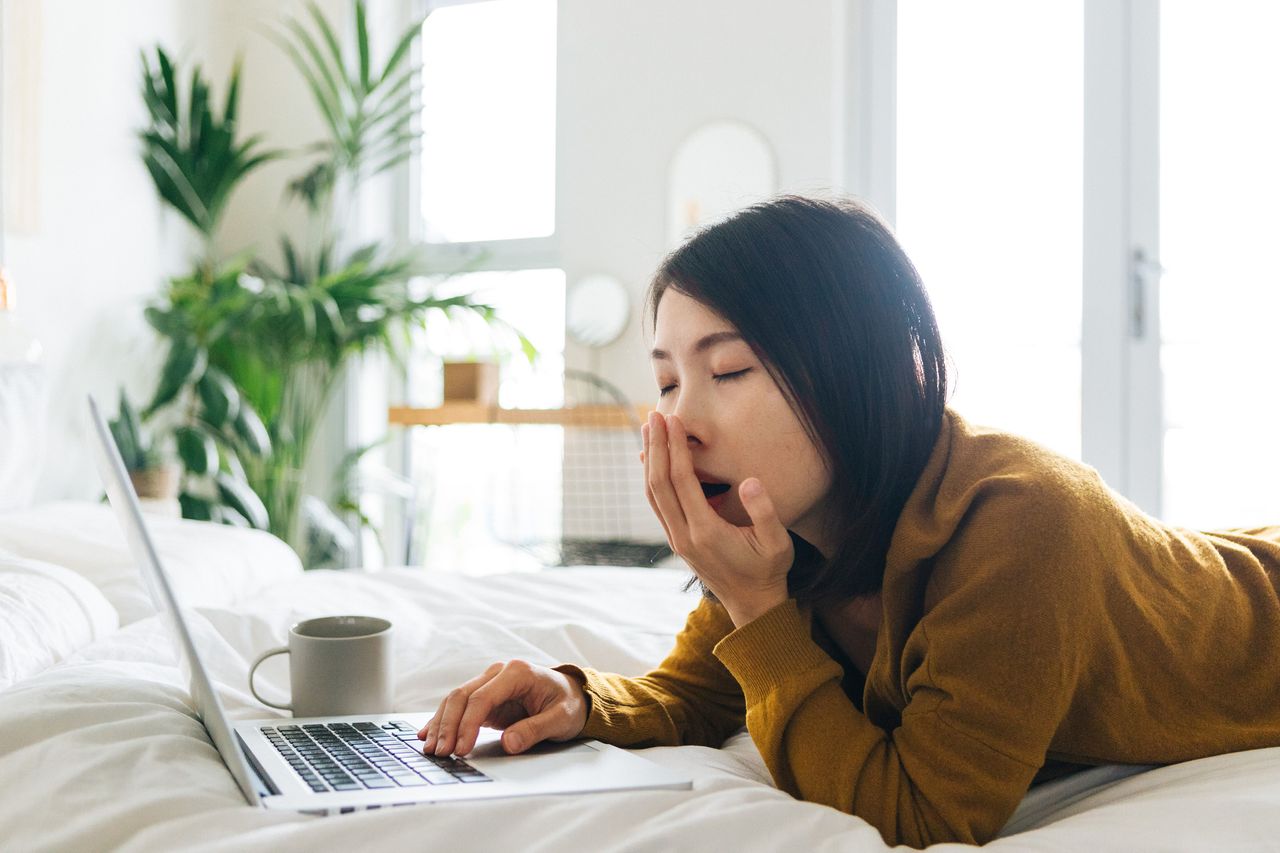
<point>689,699</point>
<point>955,767</point>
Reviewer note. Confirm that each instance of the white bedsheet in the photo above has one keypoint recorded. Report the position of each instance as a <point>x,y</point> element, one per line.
<point>102,751</point>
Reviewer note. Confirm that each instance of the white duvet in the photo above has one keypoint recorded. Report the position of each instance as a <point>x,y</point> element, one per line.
<point>102,751</point>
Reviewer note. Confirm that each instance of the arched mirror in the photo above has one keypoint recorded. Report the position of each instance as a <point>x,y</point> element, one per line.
<point>718,168</point>
<point>597,308</point>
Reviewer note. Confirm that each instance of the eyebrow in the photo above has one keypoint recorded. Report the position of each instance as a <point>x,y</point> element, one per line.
<point>704,343</point>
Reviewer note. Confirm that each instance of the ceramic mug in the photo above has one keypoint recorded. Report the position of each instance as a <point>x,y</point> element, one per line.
<point>338,665</point>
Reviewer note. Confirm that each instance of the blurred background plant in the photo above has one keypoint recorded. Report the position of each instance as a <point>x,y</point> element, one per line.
<point>257,349</point>
<point>151,469</point>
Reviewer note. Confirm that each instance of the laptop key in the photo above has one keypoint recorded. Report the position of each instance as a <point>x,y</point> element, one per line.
<point>442,780</point>
<point>379,782</point>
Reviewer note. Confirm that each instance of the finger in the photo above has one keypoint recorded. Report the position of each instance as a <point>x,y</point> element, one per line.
<point>659,480</point>
<point>683,480</point>
<point>501,689</point>
<point>646,457</point>
<point>530,731</point>
<point>770,534</point>
<point>443,736</point>
<point>434,723</point>
<point>432,727</point>
<point>446,721</point>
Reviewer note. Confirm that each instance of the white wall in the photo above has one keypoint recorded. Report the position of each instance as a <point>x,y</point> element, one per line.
<point>102,245</point>
<point>633,80</point>
<point>98,246</point>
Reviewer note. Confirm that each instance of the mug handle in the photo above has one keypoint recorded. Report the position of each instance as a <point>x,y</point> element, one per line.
<point>283,650</point>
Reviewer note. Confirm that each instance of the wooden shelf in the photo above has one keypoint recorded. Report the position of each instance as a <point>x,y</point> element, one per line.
<point>478,413</point>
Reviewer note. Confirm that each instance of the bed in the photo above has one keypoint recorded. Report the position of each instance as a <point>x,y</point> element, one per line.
<point>100,748</point>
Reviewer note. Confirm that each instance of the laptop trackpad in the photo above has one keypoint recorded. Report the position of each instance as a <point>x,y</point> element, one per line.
<point>493,749</point>
<point>541,763</point>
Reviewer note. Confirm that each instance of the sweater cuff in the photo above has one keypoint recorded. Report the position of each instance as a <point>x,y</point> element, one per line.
<point>771,650</point>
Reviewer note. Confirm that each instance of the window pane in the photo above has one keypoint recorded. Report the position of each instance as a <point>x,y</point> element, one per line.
<point>1220,296</point>
<point>488,120</point>
<point>990,159</point>
<point>491,483</point>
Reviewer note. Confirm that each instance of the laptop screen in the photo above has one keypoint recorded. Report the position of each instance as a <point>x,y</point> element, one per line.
<point>124,500</point>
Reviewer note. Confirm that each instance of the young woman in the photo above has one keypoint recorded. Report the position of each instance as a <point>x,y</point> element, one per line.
<point>915,617</point>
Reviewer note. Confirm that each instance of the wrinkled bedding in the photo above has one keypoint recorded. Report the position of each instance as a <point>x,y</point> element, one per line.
<point>102,749</point>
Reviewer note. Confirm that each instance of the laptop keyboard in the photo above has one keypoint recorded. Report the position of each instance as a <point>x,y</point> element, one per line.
<point>363,755</point>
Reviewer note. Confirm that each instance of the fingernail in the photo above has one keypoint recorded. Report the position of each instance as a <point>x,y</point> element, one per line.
<point>514,743</point>
<point>751,488</point>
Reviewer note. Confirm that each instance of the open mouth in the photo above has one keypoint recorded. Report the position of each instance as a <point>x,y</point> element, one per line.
<point>713,489</point>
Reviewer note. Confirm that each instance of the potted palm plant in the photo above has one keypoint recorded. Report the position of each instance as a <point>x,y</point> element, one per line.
<point>256,349</point>
<point>154,475</point>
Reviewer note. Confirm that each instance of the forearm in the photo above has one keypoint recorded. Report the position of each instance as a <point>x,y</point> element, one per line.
<point>653,710</point>
<point>920,784</point>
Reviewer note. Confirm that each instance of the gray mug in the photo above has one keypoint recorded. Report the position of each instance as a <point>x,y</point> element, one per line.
<point>338,665</point>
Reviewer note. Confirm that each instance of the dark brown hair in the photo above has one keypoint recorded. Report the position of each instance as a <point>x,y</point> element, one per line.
<point>829,302</point>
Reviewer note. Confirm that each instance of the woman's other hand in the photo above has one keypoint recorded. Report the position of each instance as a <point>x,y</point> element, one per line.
<point>531,703</point>
<point>746,567</point>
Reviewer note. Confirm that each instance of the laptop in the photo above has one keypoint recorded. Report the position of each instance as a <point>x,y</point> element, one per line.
<point>329,765</point>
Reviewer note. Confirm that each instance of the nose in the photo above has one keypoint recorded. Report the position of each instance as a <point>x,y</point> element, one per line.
<point>690,413</point>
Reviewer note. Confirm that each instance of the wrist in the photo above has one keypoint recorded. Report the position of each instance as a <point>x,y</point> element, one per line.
<point>748,610</point>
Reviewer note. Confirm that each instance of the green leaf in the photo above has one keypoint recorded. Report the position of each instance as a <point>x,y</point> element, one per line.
<point>401,49</point>
<point>192,154</point>
<point>165,322</point>
<point>219,396</point>
<point>231,463</point>
<point>233,96</point>
<point>226,515</point>
<point>252,431</point>
<point>184,362</point>
<point>327,33</point>
<point>243,500</point>
<point>127,433</point>
<point>332,112</point>
<point>195,507</point>
<point>197,450</point>
<point>362,45</point>
<point>130,424</point>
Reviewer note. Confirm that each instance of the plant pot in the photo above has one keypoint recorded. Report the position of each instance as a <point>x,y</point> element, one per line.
<point>471,382</point>
<point>156,483</point>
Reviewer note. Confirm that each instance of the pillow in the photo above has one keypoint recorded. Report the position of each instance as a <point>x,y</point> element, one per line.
<point>46,613</point>
<point>210,565</point>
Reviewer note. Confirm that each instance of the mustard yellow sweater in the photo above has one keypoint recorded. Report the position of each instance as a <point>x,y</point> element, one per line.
<point>1031,616</point>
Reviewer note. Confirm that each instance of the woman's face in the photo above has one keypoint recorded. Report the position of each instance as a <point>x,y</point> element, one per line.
<point>738,420</point>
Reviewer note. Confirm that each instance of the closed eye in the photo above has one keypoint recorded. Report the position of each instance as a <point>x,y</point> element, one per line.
<point>721,377</point>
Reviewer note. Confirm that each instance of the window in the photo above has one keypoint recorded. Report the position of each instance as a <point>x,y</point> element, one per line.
<point>1086,187</point>
<point>1220,292</point>
<point>482,483</point>
<point>989,153</point>
<point>484,199</point>
<point>488,149</point>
